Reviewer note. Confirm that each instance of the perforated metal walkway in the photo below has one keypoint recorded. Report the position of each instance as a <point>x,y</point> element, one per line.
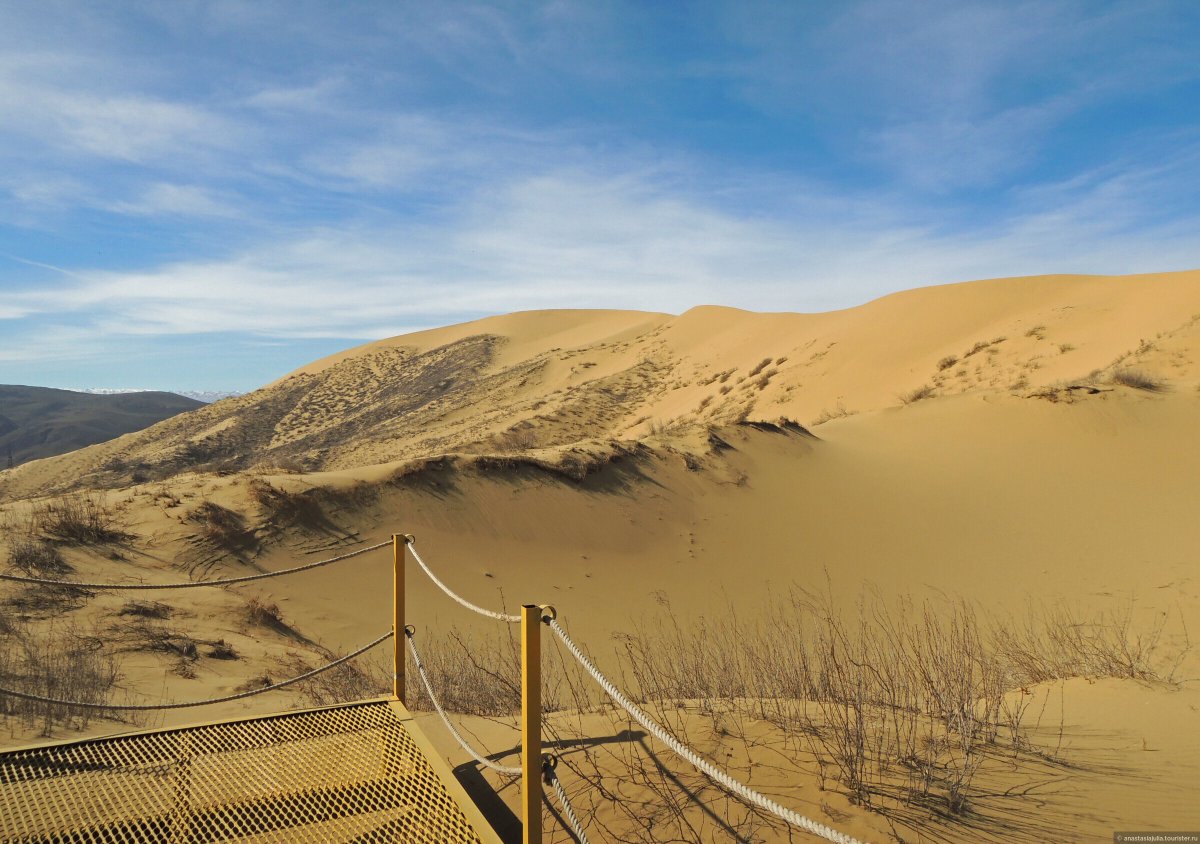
<point>361,772</point>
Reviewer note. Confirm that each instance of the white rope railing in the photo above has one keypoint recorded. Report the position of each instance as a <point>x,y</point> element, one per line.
<point>698,761</point>
<point>499,616</point>
<point>206,701</point>
<point>188,584</point>
<point>552,777</point>
<point>409,633</point>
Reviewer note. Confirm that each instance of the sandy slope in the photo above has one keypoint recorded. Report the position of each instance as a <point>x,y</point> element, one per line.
<point>556,379</point>
<point>1004,487</point>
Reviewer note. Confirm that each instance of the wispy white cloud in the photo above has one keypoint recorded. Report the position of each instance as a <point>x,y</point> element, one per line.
<point>949,95</point>
<point>576,239</point>
<point>72,115</point>
<point>405,166</point>
<point>163,198</point>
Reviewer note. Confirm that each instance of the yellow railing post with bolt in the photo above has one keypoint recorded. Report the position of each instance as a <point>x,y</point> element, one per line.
<point>531,723</point>
<point>399,545</point>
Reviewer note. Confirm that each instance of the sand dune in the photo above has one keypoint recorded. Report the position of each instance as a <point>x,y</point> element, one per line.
<point>1016,444</point>
<point>554,380</point>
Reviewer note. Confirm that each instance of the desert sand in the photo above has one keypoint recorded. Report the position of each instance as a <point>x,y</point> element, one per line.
<point>1024,447</point>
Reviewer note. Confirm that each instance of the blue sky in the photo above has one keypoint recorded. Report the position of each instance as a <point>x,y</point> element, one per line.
<point>206,195</point>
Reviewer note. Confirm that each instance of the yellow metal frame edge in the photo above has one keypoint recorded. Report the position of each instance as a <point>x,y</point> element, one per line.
<point>453,787</point>
<point>235,719</point>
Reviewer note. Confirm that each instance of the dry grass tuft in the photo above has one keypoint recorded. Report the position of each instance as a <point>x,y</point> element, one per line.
<point>146,609</point>
<point>37,558</point>
<point>759,367</point>
<point>264,614</point>
<point>925,391</point>
<point>38,601</point>
<point>222,527</point>
<point>826,415</point>
<point>76,519</point>
<point>220,649</point>
<point>1138,380</point>
<point>517,438</point>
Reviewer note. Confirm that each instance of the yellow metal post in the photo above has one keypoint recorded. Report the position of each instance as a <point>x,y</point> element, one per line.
<point>531,723</point>
<point>399,545</point>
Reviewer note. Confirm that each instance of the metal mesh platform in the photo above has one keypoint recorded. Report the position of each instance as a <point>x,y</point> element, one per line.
<point>349,773</point>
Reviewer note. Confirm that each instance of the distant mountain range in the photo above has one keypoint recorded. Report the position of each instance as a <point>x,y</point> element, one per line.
<point>40,422</point>
<point>206,396</point>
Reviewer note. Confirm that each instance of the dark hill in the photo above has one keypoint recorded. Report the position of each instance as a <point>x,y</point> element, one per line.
<point>42,422</point>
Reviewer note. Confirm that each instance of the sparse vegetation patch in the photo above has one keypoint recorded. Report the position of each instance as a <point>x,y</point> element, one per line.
<point>63,664</point>
<point>282,507</point>
<point>146,609</point>
<point>221,526</point>
<point>78,518</point>
<point>1138,380</point>
<point>925,391</point>
<point>37,557</point>
<point>759,367</point>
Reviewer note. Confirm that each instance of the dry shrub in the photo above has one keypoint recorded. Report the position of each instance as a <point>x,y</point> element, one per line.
<point>222,527</point>
<point>947,362</point>
<point>481,674</point>
<point>60,664</point>
<point>901,705</point>
<point>261,681</point>
<point>517,438</point>
<point>1138,380</point>
<point>925,391</point>
<point>282,507</point>
<point>355,680</point>
<point>759,367</point>
<point>826,415</point>
<point>1055,642</point>
<point>264,614</point>
<point>36,557</point>
<point>220,649</point>
<point>146,609</point>
<point>46,601</point>
<point>76,518</point>
<point>142,634</point>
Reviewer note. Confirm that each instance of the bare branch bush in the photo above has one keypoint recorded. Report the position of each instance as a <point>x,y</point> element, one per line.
<point>37,558</point>
<point>78,518</point>
<point>58,663</point>
<point>222,527</point>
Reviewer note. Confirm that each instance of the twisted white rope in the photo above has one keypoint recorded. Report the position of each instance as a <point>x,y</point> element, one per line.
<point>482,760</point>
<point>186,584</point>
<point>576,826</point>
<point>206,701</point>
<point>698,761</point>
<point>499,616</point>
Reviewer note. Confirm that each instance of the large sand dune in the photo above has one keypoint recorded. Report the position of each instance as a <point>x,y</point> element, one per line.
<point>1025,445</point>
